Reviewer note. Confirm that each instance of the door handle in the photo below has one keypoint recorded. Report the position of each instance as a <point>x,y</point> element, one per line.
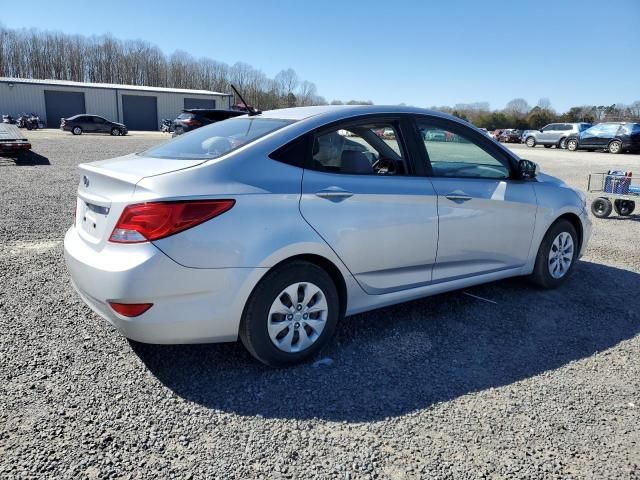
<point>334,193</point>
<point>458,196</point>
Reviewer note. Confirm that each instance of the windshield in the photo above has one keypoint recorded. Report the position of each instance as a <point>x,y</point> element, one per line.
<point>216,139</point>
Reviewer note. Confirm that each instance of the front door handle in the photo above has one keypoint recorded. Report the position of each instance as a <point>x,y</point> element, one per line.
<point>334,193</point>
<point>458,196</point>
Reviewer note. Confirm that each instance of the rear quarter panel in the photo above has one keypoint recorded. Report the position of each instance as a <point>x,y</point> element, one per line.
<point>263,228</point>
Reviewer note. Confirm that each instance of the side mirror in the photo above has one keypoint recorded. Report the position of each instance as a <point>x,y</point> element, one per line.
<point>527,169</point>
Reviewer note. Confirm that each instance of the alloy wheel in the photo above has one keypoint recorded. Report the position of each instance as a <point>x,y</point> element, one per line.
<point>614,147</point>
<point>297,317</point>
<point>561,255</point>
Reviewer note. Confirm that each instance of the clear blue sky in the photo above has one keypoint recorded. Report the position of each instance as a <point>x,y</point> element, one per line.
<point>422,53</point>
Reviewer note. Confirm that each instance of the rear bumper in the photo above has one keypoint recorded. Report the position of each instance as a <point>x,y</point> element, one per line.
<point>14,146</point>
<point>190,305</point>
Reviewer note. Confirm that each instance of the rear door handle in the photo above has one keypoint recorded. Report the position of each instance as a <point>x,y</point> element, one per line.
<point>458,196</point>
<point>334,193</point>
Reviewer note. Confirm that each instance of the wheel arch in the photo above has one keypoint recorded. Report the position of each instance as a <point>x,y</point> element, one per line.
<point>574,220</point>
<point>328,266</point>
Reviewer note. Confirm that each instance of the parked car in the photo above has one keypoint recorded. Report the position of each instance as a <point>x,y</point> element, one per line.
<point>434,136</point>
<point>554,134</point>
<point>511,136</point>
<point>272,227</point>
<point>525,134</point>
<point>614,137</point>
<point>79,124</point>
<point>198,117</point>
<point>496,133</point>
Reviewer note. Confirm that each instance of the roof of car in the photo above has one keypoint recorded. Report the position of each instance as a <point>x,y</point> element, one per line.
<point>341,111</point>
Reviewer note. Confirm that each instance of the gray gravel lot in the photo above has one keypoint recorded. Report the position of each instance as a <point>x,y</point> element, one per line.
<point>543,384</point>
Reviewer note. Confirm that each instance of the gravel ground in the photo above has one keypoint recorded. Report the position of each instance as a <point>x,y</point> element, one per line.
<point>541,384</point>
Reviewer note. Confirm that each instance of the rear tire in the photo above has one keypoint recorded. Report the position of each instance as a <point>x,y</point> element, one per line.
<point>615,147</point>
<point>601,207</point>
<point>76,131</point>
<point>274,326</point>
<point>562,143</point>
<point>624,207</point>
<point>557,255</point>
<point>530,142</point>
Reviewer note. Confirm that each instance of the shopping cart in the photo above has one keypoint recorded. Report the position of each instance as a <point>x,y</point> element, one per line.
<point>614,185</point>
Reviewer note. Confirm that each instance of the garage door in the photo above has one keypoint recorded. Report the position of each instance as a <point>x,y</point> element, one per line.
<point>140,112</point>
<point>199,103</point>
<point>62,105</point>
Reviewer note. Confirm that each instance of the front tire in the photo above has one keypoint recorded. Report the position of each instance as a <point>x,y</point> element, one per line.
<point>116,132</point>
<point>530,142</point>
<point>291,314</point>
<point>76,131</point>
<point>557,255</point>
<point>572,144</point>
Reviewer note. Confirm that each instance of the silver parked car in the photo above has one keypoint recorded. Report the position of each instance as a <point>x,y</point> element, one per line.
<point>554,134</point>
<point>274,227</point>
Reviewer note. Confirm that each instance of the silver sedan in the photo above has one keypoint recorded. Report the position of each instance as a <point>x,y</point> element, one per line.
<point>273,227</point>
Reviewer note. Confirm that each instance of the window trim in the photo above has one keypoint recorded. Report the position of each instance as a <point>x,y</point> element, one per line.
<point>477,138</point>
<point>401,122</point>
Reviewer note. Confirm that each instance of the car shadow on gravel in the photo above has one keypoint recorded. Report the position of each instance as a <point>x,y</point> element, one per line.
<point>408,357</point>
<point>28,158</point>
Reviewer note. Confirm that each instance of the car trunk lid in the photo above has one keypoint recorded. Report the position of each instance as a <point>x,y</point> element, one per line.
<point>107,186</point>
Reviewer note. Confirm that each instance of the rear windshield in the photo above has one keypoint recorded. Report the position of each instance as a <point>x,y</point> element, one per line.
<point>184,116</point>
<point>216,139</point>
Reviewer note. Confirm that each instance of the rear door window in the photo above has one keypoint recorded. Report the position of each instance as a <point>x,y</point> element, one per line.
<point>364,149</point>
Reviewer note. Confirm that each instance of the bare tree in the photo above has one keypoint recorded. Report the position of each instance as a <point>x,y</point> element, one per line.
<point>306,93</point>
<point>54,55</point>
<point>544,103</point>
<point>517,106</point>
<point>287,81</point>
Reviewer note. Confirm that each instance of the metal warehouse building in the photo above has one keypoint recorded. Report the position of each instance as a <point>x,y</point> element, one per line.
<point>139,108</point>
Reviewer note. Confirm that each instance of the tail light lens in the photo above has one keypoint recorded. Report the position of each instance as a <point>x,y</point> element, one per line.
<point>146,222</point>
<point>130,309</point>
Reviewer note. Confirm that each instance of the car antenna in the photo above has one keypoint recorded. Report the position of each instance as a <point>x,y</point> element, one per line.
<point>251,111</point>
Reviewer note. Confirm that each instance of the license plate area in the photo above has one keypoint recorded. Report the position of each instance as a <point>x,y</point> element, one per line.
<point>93,219</point>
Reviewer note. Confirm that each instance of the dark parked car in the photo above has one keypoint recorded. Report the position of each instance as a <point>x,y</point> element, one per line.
<point>199,117</point>
<point>511,136</point>
<point>615,137</point>
<point>79,124</point>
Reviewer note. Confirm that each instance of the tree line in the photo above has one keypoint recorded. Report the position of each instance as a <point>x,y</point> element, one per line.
<point>519,114</point>
<point>60,56</point>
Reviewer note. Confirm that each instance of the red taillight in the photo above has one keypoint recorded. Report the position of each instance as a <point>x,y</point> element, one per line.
<point>145,222</point>
<point>130,309</point>
<point>192,122</point>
